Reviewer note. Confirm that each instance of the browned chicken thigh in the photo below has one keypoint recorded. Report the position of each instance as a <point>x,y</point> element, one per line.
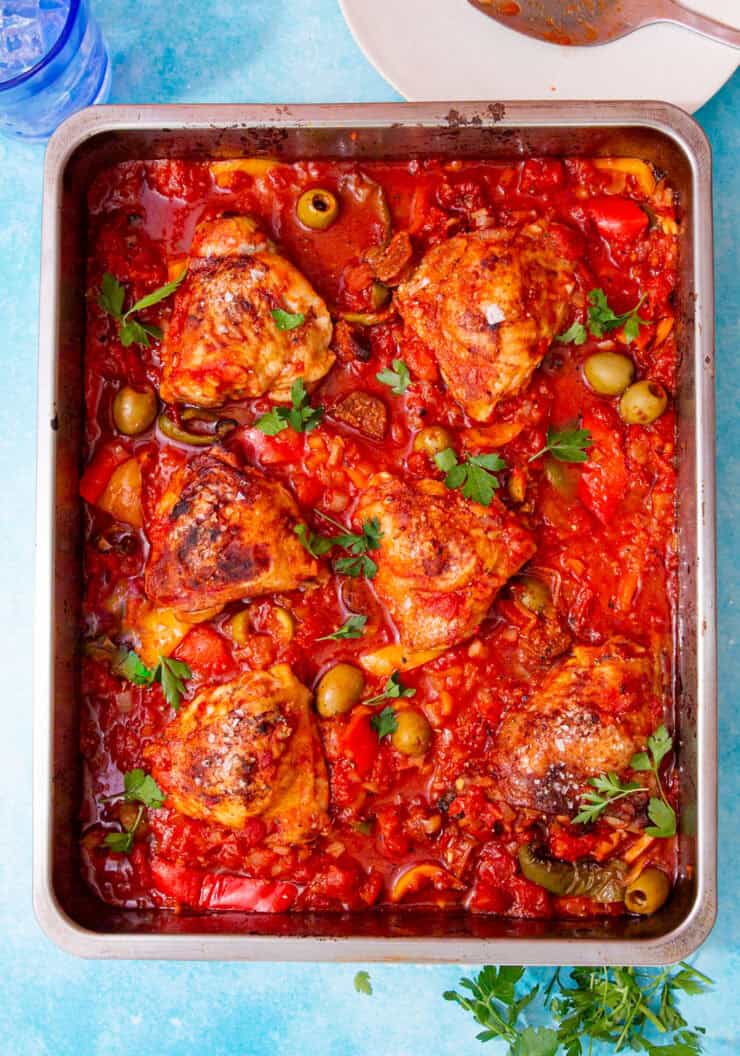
<point>488,305</point>
<point>442,558</point>
<point>220,533</point>
<point>595,709</point>
<point>245,749</point>
<point>224,341</point>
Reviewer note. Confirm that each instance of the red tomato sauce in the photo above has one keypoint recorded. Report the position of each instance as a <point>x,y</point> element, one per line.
<point>404,830</point>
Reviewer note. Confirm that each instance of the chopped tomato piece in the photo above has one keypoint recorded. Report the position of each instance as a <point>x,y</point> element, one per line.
<point>206,651</point>
<point>617,217</point>
<point>603,480</point>
<point>221,891</point>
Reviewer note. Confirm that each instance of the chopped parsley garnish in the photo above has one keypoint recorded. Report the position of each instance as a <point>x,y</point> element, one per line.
<point>385,722</point>
<point>393,690</point>
<point>475,477</point>
<point>287,320</point>
<point>363,984</point>
<point>357,543</point>
<point>398,379</point>
<point>170,673</point>
<point>602,320</point>
<point>300,416</point>
<point>566,445</point>
<point>111,297</point>
<point>608,789</point>
<point>138,787</point>
<point>353,627</point>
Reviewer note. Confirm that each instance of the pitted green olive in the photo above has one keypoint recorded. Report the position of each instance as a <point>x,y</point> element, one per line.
<point>532,593</point>
<point>317,209</point>
<point>584,877</point>
<point>339,689</point>
<point>609,373</point>
<point>412,733</point>
<point>432,439</point>
<point>648,892</point>
<point>134,410</point>
<point>643,402</point>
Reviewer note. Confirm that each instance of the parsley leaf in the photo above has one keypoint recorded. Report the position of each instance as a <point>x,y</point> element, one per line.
<point>168,672</point>
<point>300,416</point>
<point>132,331</point>
<point>608,790</point>
<point>398,379</point>
<point>385,722</point>
<point>172,673</point>
<point>363,984</point>
<point>566,445</point>
<point>575,335</point>
<point>602,319</point>
<point>317,545</point>
<point>287,320</point>
<point>140,787</point>
<point>475,476</point>
<point>120,842</point>
<point>392,690</point>
<point>663,818</point>
<point>351,628</point>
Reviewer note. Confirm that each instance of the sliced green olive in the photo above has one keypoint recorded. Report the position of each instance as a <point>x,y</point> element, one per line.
<point>339,690</point>
<point>532,593</point>
<point>609,373</point>
<point>412,734</point>
<point>432,439</point>
<point>364,318</point>
<point>134,410</point>
<point>584,877</point>
<point>643,402</point>
<point>562,477</point>
<point>380,294</point>
<point>317,209</point>
<point>173,431</point>
<point>648,892</point>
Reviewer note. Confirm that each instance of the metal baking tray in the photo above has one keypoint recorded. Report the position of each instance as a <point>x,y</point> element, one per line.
<point>67,911</point>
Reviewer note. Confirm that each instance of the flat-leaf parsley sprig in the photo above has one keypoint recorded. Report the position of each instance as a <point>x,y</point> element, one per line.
<point>171,674</point>
<point>394,689</point>
<point>111,297</point>
<point>608,789</point>
<point>398,379</point>
<point>359,545</point>
<point>475,477</point>
<point>602,319</point>
<point>300,416</point>
<point>629,1009</point>
<point>566,445</point>
<point>138,787</point>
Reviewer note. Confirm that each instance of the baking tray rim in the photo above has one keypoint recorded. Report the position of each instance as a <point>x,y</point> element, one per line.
<point>675,945</point>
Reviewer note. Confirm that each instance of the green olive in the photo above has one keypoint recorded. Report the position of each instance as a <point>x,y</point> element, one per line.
<point>338,690</point>
<point>532,593</point>
<point>432,439</point>
<point>584,877</point>
<point>379,295</point>
<point>648,892</point>
<point>412,733</point>
<point>134,411</point>
<point>609,373</point>
<point>643,402</point>
<point>317,209</point>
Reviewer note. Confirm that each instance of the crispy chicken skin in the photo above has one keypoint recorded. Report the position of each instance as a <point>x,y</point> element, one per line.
<point>223,342</point>
<point>488,305</point>
<point>442,559</point>
<point>595,709</point>
<point>244,749</point>
<point>219,533</point>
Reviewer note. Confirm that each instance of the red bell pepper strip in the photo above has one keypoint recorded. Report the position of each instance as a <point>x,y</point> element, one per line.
<point>99,471</point>
<point>206,652</point>
<point>221,891</point>
<point>617,218</point>
<point>603,479</point>
<point>360,743</point>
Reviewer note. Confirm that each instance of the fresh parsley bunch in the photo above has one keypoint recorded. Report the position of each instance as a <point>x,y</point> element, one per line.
<point>475,476</point>
<point>170,673</point>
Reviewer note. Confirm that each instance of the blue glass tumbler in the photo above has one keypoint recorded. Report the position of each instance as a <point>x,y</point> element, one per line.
<point>53,61</point>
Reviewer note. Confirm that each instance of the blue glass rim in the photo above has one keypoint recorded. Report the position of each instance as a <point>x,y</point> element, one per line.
<point>53,51</point>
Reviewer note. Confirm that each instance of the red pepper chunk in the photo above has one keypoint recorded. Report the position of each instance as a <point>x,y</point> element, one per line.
<point>99,471</point>
<point>617,218</point>
<point>360,742</point>
<point>221,891</point>
<point>207,652</point>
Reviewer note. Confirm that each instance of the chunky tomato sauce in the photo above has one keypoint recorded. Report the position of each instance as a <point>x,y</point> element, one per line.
<point>405,830</point>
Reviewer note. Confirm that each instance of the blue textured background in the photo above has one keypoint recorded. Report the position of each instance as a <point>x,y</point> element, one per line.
<point>50,1003</point>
